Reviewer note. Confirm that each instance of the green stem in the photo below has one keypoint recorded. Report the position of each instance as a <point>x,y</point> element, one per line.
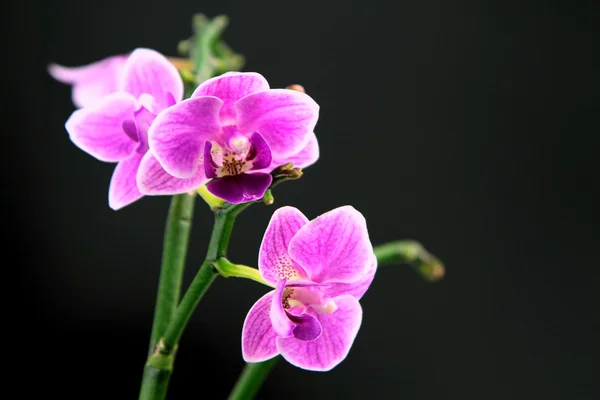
<point>177,233</point>
<point>204,278</point>
<point>160,363</point>
<point>228,269</point>
<point>217,248</point>
<point>155,382</point>
<point>412,253</point>
<point>251,379</point>
<point>206,33</point>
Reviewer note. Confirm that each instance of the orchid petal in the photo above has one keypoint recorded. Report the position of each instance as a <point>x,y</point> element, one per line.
<point>260,153</point>
<point>240,188</point>
<point>334,247</point>
<point>285,118</point>
<point>149,72</point>
<point>152,179</point>
<point>91,82</point>
<point>230,87</point>
<point>332,347</point>
<point>356,289</point>
<point>279,318</point>
<point>274,263</point>
<point>178,133</point>
<point>304,158</point>
<point>123,189</point>
<point>99,130</point>
<point>258,335</point>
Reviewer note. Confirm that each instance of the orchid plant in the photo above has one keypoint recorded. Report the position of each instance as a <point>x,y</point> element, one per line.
<point>193,127</point>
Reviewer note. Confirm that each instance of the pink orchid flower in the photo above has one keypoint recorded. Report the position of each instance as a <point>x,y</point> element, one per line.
<point>320,269</point>
<point>235,130</point>
<point>93,81</point>
<point>115,128</point>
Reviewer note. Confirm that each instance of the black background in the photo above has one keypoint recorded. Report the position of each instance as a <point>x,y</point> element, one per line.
<point>471,127</point>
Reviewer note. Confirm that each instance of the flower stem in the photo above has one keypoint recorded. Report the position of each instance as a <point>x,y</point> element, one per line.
<point>206,33</point>
<point>160,363</point>
<point>412,253</point>
<point>251,379</point>
<point>177,232</point>
<point>228,269</point>
<point>217,248</point>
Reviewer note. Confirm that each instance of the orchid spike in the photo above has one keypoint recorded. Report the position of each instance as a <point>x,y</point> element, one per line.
<point>115,129</point>
<point>91,82</point>
<point>320,269</point>
<point>258,129</point>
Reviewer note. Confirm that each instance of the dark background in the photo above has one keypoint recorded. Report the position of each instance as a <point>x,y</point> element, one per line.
<point>471,127</point>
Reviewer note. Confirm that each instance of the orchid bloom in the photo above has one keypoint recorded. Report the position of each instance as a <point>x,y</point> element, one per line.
<point>235,130</point>
<point>93,81</point>
<point>320,269</point>
<point>115,129</point>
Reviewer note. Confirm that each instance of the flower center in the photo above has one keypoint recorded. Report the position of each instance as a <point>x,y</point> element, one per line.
<point>302,297</point>
<point>235,160</point>
<point>285,301</point>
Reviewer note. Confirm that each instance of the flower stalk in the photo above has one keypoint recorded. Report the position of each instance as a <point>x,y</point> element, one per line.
<point>414,254</point>
<point>228,269</point>
<point>217,249</point>
<point>251,379</point>
<point>178,227</point>
<point>159,366</point>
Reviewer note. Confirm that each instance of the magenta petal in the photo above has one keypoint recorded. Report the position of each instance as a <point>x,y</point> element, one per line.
<point>258,336</point>
<point>240,188</point>
<point>230,87</point>
<point>285,118</point>
<point>356,289</point>
<point>152,179</point>
<point>178,133</point>
<point>304,158</point>
<point>123,188</point>
<point>99,130</point>
<point>282,325</point>
<point>332,347</point>
<point>274,263</point>
<point>260,153</point>
<point>334,247</point>
<point>147,71</point>
<point>91,82</point>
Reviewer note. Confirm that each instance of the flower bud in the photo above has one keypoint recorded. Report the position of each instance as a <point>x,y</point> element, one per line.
<point>296,87</point>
